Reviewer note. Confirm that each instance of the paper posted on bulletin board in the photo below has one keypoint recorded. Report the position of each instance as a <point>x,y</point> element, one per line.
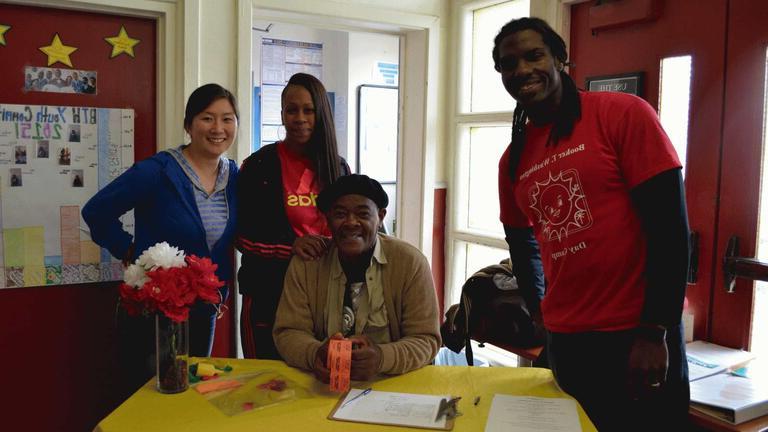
<point>52,160</point>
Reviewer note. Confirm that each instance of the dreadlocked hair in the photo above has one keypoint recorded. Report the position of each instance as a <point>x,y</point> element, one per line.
<point>565,118</point>
<point>322,148</point>
<point>569,110</point>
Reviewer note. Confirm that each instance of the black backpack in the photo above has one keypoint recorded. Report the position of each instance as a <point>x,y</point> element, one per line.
<point>492,310</point>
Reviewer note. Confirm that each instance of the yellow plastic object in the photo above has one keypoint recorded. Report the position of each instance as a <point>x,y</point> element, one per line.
<point>206,369</point>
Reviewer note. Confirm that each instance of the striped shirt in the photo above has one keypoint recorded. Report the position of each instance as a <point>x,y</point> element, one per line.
<point>213,208</point>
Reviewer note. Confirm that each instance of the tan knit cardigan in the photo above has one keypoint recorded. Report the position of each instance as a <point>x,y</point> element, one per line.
<point>409,296</point>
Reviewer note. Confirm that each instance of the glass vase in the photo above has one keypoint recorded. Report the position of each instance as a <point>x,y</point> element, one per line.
<point>172,348</point>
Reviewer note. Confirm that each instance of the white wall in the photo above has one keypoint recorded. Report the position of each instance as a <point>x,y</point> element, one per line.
<point>217,49</point>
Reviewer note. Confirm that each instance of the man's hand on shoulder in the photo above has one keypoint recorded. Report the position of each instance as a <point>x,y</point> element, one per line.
<point>366,358</point>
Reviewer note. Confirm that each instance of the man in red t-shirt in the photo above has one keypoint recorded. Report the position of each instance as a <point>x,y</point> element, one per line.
<point>592,200</point>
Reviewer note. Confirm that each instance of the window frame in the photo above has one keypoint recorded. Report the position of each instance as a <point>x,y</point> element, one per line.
<point>461,123</point>
<point>461,120</point>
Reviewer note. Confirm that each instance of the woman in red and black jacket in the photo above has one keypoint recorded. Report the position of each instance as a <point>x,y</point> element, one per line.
<point>277,216</point>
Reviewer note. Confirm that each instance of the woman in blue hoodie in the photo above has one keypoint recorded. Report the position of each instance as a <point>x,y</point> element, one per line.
<point>184,196</point>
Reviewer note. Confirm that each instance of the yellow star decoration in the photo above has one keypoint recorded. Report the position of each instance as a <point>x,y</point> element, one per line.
<point>122,43</point>
<point>58,52</point>
<point>3,29</point>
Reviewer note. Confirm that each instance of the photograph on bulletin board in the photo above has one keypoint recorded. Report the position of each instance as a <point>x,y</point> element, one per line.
<point>59,80</point>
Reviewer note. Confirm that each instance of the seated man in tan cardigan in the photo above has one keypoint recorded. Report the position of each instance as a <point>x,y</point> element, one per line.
<point>373,289</point>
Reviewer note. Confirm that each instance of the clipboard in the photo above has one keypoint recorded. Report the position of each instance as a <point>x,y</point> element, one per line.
<point>359,411</point>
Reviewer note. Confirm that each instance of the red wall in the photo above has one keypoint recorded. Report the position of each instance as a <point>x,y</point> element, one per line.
<point>56,342</point>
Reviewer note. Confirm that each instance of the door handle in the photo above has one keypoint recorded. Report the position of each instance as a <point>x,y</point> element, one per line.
<point>735,266</point>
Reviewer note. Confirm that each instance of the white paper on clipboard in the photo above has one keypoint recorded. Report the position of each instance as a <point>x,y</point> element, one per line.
<point>401,409</point>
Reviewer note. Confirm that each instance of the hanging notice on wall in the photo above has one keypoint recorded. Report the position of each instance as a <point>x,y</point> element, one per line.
<point>280,59</point>
<point>52,160</point>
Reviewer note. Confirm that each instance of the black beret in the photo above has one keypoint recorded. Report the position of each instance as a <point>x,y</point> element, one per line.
<point>353,184</point>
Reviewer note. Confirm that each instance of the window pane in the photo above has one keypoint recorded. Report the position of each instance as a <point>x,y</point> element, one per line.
<point>674,98</point>
<point>488,93</point>
<point>479,256</point>
<point>486,145</point>
<point>472,257</point>
<point>377,126</point>
<point>759,344</point>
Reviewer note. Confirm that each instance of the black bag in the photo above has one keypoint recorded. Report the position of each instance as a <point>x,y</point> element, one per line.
<point>493,310</point>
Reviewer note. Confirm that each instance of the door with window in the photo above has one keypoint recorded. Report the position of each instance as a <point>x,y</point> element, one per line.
<point>743,216</point>
<point>721,46</point>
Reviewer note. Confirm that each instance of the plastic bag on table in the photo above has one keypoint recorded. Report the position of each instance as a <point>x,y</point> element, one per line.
<point>245,392</point>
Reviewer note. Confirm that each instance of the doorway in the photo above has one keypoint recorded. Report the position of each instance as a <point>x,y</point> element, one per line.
<point>360,71</point>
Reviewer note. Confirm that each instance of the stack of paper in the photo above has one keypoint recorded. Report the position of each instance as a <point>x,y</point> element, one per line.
<point>389,408</point>
<point>705,359</point>
<point>729,397</point>
<point>532,414</point>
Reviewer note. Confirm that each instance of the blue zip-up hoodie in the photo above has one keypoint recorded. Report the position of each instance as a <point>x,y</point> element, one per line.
<point>164,210</point>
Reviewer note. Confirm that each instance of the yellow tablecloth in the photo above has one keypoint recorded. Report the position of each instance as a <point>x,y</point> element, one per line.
<point>147,410</point>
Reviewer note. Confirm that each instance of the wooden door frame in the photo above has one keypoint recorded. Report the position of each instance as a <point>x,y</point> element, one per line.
<point>420,61</point>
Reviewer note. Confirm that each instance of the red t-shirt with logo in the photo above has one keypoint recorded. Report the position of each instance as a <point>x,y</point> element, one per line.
<point>576,196</point>
<point>300,189</point>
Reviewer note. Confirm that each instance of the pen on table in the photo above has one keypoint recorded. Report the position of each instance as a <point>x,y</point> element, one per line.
<point>361,394</point>
<point>477,400</point>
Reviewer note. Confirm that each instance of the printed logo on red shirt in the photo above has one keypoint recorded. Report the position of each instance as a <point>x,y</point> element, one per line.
<point>302,200</point>
<point>559,205</point>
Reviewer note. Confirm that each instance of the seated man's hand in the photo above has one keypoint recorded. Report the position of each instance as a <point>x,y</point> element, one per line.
<point>366,358</point>
<point>320,368</point>
<point>311,247</point>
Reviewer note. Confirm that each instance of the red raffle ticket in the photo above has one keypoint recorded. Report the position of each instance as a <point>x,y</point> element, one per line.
<point>340,364</point>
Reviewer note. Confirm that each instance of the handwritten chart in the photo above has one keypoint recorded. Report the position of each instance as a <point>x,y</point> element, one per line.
<point>52,160</point>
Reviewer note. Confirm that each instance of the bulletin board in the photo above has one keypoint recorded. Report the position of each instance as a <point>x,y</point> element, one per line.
<point>52,160</point>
